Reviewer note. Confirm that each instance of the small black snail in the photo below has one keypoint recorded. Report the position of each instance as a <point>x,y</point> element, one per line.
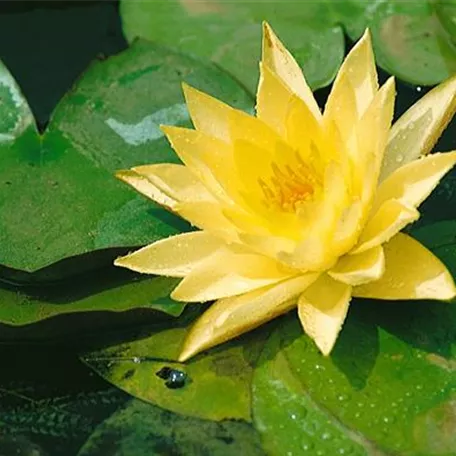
<point>174,378</point>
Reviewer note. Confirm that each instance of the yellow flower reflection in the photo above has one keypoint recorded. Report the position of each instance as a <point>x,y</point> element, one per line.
<point>297,208</point>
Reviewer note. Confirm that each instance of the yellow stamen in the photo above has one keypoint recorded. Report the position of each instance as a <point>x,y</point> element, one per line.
<point>288,187</point>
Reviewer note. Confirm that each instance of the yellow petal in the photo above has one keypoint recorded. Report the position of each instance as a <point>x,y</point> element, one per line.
<point>360,268</point>
<point>251,129</point>
<point>228,273</point>
<point>358,70</point>
<point>273,99</point>
<point>411,272</point>
<point>390,218</point>
<point>282,63</point>
<point>313,252</point>
<point>231,317</point>
<point>272,246</point>
<point>372,135</point>
<point>208,114</point>
<point>177,181</point>
<point>203,155</point>
<point>175,256</point>
<point>417,131</point>
<point>208,216</point>
<point>146,188</point>
<point>322,309</point>
<point>301,126</point>
<point>413,182</point>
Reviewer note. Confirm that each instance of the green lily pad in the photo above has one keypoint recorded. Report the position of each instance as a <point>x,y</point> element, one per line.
<point>116,291</point>
<point>388,388</point>
<point>140,429</point>
<point>218,382</point>
<point>229,33</point>
<point>287,416</point>
<point>414,41</point>
<point>58,194</point>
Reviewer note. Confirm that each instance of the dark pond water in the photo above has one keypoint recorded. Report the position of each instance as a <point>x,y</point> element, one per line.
<point>50,403</point>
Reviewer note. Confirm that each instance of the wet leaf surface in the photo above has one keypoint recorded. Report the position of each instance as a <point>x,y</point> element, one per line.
<point>217,384</point>
<point>58,194</point>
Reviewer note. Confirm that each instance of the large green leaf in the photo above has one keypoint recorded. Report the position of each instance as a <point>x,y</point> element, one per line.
<point>141,429</point>
<point>287,416</point>
<point>414,41</point>
<point>114,291</point>
<point>218,385</point>
<point>58,195</point>
<point>229,32</point>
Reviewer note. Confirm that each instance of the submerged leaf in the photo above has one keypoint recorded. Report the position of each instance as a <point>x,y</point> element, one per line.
<point>108,291</point>
<point>217,385</point>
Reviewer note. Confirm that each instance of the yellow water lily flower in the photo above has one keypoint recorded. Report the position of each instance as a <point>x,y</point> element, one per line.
<point>298,208</point>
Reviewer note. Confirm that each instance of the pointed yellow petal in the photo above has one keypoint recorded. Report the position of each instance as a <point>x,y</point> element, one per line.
<point>229,273</point>
<point>322,309</point>
<point>268,245</point>
<point>358,71</point>
<point>176,256</point>
<point>281,62</point>
<point>411,272</point>
<point>413,182</point>
<point>273,100</point>
<point>203,155</point>
<point>177,181</point>
<point>207,113</point>
<point>417,131</point>
<point>361,268</point>
<point>208,216</point>
<point>229,318</point>
<point>372,134</point>
<point>146,188</point>
<point>301,126</point>
<point>251,129</point>
<point>390,218</point>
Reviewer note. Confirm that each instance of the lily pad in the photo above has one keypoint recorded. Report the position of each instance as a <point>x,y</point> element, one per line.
<point>286,415</point>
<point>116,291</point>
<point>218,382</point>
<point>388,388</point>
<point>140,429</point>
<point>414,41</point>
<point>58,194</point>
<point>229,33</point>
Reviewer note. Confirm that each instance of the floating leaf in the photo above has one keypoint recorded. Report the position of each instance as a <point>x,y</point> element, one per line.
<point>287,416</point>
<point>414,41</point>
<point>389,385</point>
<point>58,194</point>
<point>141,429</point>
<point>115,291</point>
<point>228,33</point>
<point>218,382</point>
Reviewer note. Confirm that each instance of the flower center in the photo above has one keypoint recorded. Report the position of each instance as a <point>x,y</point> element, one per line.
<point>289,186</point>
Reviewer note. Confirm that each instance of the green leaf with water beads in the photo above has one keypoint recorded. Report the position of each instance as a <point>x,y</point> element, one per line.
<point>58,194</point>
<point>218,381</point>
